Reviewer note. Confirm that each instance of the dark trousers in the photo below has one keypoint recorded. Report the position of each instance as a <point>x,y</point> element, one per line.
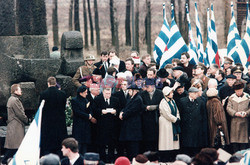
<point>109,156</point>
<point>132,148</point>
<point>239,146</point>
<point>8,154</point>
<point>168,156</point>
<point>149,146</point>
<point>54,151</point>
<point>190,151</point>
<point>82,148</point>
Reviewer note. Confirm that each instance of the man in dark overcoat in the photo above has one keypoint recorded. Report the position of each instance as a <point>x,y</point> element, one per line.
<point>151,98</point>
<point>194,123</point>
<point>53,126</point>
<point>107,110</point>
<point>103,64</point>
<point>131,127</point>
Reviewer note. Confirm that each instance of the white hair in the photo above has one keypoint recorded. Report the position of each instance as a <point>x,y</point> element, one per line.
<point>212,83</point>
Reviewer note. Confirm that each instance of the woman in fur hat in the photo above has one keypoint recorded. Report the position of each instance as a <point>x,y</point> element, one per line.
<point>239,108</point>
<point>216,116</point>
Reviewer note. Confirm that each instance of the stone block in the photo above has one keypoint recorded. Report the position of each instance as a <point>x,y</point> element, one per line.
<point>29,97</point>
<point>36,46</point>
<point>66,84</point>
<point>11,45</point>
<point>72,40</point>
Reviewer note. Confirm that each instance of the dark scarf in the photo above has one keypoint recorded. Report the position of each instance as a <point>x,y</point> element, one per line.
<point>176,127</point>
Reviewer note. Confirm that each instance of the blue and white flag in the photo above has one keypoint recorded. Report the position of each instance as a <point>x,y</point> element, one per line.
<point>243,49</point>
<point>162,40</point>
<point>176,45</point>
<point>208,47</point>
<point>214,53</point>
<point>233,37</point>
<point>192,50</point>
<point>29,150</point>
<point>200,49</point>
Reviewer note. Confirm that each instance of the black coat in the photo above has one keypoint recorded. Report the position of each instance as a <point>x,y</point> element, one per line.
<point>53,126</point>
<point>100,66</point>
<point>79,161</point>
<point>177,97</point>
<point>143,70</point>
<point>150,119</point>
<point>194,123</point>
<point>122,99</point>
<point>106,124</point>
<point>131,128</point>
<point>81,124</point>
<point>122,66</point>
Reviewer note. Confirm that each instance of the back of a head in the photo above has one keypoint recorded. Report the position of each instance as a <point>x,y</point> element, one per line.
<point>184,158</point>
<point>50,159</point>
<point>52,81</point>
<point>202,159</point>
<point>140,159</point>
<point>152,156</point>
<point>212,152</point>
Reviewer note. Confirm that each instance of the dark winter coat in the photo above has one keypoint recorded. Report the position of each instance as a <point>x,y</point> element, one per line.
<point>122,99</point>
<point>79,161</point>
<point>150,118</point>
<point>193,123</point>
<point>100,66</point>
<point>53,126</point>
<point>131,128</point>
<point>143,70</point>
<point>81,124</point>
<point>106,123</point>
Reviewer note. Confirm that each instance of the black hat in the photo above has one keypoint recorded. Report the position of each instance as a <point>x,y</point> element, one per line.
<point>91,156</point>
<point>178,68</point>
<point>231,76</point>
<point>238,85</point>
<point>134,87</point>
<point>85,78</point>
<point>81,89</point>
<point>150,81</point>
<point>162,73</point>
<point>97,71</point>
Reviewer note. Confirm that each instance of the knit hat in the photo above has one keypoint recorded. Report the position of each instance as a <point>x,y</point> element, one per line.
<point>212,92</point>
<point>122,160</point>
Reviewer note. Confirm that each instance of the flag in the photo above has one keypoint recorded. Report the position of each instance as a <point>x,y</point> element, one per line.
<point>208,47</point>
<point>162,39</point>
<point>233,37</point>
<point>176,45</point>
<point>192,50</point>
<point>213,37</point>
<point>243,49</point>
<point>29,150</point>
<point>200,49</point>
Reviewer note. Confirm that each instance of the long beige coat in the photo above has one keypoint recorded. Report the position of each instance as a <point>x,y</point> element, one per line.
<point>16,121</point>
<point>165,128</point>
<point>239,126</point>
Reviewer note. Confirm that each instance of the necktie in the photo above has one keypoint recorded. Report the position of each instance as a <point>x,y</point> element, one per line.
<point>107,101</point>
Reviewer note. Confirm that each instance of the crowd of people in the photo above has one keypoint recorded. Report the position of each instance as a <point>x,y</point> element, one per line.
<point>126,108</point>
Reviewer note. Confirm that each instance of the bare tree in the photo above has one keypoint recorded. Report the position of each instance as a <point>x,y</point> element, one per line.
<point>148,25</point>
<point>112,23</point>
<point>71,15</point>
<point>76,16</point>
<point>185,25</point>
<point>91,25</point>
<point>180,16</point>
<point>97,29</point>
<point>85,25</point>
<point>116,30</point>
<point>55,24</point>
<point>127,23</point>
<point>137,46</point>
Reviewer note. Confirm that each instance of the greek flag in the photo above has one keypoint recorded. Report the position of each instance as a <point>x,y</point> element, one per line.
<point>29,150</point>
<point>208,47</point>
<point>162,39</point>
<point>200,49</point>
<point>192,47</point>
<point>233,38</point>
<point>176,45</point>
<point>243,49</point>
<point>213,37</point>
